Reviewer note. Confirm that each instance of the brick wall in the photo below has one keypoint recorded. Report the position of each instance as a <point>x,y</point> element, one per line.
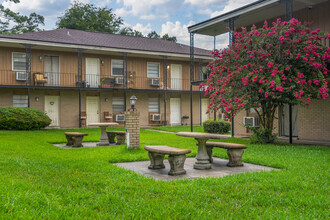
<point>132,125</point>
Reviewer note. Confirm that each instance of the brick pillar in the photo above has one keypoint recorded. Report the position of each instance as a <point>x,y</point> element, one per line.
<point>132,125</point>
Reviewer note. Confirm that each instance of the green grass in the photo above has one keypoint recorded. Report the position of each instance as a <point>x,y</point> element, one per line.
<point>178,128</point>
<point>41,181</point>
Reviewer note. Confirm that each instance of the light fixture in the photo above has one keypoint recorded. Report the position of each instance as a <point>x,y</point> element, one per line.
<point>40,58</point>
<point>133,101</point>
<point>37,99</point>
<point>168,67</point>
<point>102,62</point>
<point>106,100</point>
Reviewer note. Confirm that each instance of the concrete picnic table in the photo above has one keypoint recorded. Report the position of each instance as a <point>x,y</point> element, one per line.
<point>202,157</point>
<point>104,141</point>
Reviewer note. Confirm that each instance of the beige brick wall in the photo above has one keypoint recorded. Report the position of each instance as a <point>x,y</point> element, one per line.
<point>314,121</point>
<point>69,109</point>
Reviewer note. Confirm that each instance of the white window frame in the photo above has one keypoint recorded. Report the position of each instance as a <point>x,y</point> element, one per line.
<point>123,105</point>
<point>158,70</point>
<point>12,61</point>
<point>158,103</point>
<point>112,67</point>
<point>27,101</point>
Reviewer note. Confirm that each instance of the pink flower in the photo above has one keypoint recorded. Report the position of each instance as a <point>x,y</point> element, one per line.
<point>266,94</point>
<point>308,100</point>
<point>279,88</point>
<point>270,64</point>
<point>300,75</point>
<point>260,90</point>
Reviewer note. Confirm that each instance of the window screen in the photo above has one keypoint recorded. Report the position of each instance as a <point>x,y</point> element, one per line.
<point>153,70</point>
<point>19,61</point>
<point>117,67</point>
<point>154,105</point>
<point>20,101</point>
<point>118,104</point>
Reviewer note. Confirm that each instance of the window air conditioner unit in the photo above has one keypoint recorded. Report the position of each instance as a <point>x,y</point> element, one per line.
<point>120,118</point>
<point>252,121</point>
<point>154,82</point>
<point>119,80</point>
<point>21,76</point>
<point>155,117</point>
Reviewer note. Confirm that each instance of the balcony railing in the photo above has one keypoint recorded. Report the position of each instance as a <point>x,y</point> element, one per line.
<point>55,79</point>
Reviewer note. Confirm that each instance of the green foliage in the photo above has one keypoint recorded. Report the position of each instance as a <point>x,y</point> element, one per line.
<point>262,136</point>
<point>15,23</point>
<point>40,181</point>
<point>178,128</point>
<point>88,17</point>
<point>154,35</point>
<point>216,127</point>
<point>130,32</point>
<point>15,118</point>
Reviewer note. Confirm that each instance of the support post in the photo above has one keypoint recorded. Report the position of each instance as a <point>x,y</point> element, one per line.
<point>28,69</point>
<point>231,22</point>
<point>290,122</point>
<point>288,17</point>
<point>125,69</point>
<point>80,54</point>
<point>200,109</point>
<point>79,108</point>
<point>165,85</point>
<point>191,77</point>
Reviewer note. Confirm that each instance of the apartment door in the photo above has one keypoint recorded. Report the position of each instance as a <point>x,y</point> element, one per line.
<point>93,109</point>
<point>205,109</point>
<point>285,123</point>
<point>93,72</point>
<point>176,76</point>
<point>52,109</point>
<point>52,70</point>
<point>175,110</point>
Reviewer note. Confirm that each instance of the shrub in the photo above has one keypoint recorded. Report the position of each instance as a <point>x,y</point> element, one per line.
<point>262,136</point>
<point>216,127</point>
<point>22,118</point>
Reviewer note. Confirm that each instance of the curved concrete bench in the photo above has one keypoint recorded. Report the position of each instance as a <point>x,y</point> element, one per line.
<point>74,138</point>
<point>176,158</point>
<point>120,137</point>
<point>234,151</point>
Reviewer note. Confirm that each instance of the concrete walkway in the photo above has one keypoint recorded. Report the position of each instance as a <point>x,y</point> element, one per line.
<point>219,169</point>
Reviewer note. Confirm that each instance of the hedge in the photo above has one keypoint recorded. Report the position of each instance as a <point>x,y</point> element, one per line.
<point>216,127</point>
<point>16,118</point>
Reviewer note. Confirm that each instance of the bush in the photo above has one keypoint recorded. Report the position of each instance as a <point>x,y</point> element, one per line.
<point>262,136</point>
<point>216,127</point>
<point>22,118</point>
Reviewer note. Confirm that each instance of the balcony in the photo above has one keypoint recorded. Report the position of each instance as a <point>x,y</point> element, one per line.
<point>91,81</point>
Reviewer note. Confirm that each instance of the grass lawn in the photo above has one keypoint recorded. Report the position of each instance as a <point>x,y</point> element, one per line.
<point>41,181</point>
<point>178,128</point>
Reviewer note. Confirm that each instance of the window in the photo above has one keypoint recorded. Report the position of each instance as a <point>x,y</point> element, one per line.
<point>204,73</point>
<point>118,105</point>
<point>117,67</point>
<point>153,70</point>
<point>154,105</point>
<point>20,101</point>
<point>19,61</point>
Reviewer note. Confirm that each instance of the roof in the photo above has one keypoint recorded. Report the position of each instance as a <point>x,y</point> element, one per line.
<point>87,38</point>
<point>254,13</point>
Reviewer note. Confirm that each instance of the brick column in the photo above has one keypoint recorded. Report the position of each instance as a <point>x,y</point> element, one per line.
<point>132,125</point>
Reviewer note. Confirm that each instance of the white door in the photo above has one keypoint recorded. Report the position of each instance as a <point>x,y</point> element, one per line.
<point>175,108</point>
<point>176,76</point>
<point>286,122</point>
<point>52,70</point>
<point>93,109</point>
<point>52,109</point>
<point>93,72</point>
<point>205,110</point>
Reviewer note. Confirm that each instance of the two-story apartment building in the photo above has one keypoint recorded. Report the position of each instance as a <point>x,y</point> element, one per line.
<point>79,77</point>
<point>308,123</point>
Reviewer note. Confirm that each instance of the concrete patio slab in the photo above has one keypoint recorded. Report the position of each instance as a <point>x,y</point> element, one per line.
<point>85,144</point>
<point>219,169</point>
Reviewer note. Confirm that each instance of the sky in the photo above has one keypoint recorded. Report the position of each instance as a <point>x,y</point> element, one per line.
<point>163,16</point>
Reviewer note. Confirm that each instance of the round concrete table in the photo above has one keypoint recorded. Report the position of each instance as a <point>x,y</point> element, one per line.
<point>104,141</point>
<point>202,157</point>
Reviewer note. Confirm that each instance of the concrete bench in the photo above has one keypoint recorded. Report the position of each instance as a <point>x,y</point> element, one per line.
<point>120,137</point>
<point>234,151</point>
<point>176,158</point>
<point>74,138</point>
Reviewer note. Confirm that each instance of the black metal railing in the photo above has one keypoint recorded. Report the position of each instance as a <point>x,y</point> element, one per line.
<point>55,79</point>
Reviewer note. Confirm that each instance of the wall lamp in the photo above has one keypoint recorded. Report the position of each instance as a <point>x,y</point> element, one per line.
<point>106,100</point>
<point>37,99</point>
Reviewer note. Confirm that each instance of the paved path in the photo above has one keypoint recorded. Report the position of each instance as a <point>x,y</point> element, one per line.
<point>219,169</point>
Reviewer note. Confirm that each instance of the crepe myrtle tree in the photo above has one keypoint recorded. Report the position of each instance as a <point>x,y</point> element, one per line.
<point>264,68</point>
